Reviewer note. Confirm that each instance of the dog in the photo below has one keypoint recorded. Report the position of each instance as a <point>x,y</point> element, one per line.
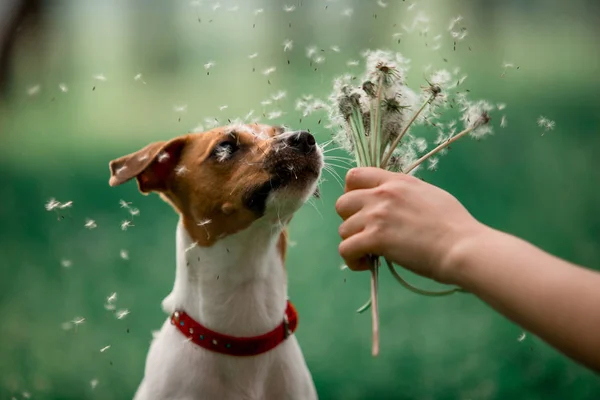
<point>230,334</point>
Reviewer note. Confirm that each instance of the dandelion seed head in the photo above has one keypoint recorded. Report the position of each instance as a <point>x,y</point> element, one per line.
<point>476,117</point>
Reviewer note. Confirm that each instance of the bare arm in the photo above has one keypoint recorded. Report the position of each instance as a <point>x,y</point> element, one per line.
<point>427,230</point>
<point>551,298</point>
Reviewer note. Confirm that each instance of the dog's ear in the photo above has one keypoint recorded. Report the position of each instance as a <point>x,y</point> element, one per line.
<point>151,166</point>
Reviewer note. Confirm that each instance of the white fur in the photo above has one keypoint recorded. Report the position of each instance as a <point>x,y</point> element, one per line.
<point>237,287</point>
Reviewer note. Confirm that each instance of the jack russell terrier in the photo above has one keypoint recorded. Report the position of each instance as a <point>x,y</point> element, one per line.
<point>230,333</point>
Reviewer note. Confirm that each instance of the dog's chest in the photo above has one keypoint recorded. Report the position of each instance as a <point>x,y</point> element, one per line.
<point>177,368</point>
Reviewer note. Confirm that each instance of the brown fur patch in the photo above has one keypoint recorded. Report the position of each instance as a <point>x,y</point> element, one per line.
<point>208,193</point>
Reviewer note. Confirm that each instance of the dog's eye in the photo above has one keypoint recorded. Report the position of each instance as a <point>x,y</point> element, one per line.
<point>224,150</point>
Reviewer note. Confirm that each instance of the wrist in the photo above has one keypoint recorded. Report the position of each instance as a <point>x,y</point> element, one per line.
<point>455,265</point>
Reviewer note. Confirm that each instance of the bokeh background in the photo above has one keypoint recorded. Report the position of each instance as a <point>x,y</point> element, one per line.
<point>75,99</point>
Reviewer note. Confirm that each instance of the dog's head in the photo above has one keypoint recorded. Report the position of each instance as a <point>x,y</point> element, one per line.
<point>222,180</point>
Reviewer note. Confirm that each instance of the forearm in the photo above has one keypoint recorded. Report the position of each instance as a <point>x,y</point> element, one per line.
<point>553,299</point>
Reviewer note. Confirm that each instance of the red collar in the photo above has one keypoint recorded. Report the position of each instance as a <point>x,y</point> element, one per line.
<point>232,345</point>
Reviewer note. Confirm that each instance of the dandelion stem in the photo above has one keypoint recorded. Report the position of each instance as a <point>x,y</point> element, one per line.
<point>374,306</point>
<point>438,149</point>
<point>396,141</point>
<point>417,290</point>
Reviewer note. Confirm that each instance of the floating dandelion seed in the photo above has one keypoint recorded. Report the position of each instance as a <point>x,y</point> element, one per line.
<point>335,49</point>
<point>139,78</point>
<point>124,254</point>
<point>522,337</point>
<point>126,224</point>
<point>122,313</point>
<point>266,102</point>
<point>343,267</point>
<point>433,164</point>
<point>180,108</point>
<point>500,106</point>
<point>348,12</point>
<point>411,6</point>
<point>51,205</point>
<point>253,55</point>
<point>545,123</point>
<point>216,6</point>
<point>269,71</point>
<point>100,77</point>
<point>112,297</point>
<point>505,67</point>
<point>311,51</point>
<point>78,321</point>
<point>191,246</point>
<point>287,8</point>
<point>90,224</point>
<point>26,395</point>
<point>204,222</point>
<point>258,11</point>
<point>287,45</point>
<point>125,204</point>
<point>274,114</point>
<point>454,21</point>
<point>223,153</point>
<point>209,65</point>
<point>223,108</point>
<point>249,115</point>
<point>66,263</point>
<point>63,87</point>
<point>67,204</point>
<point>352,63</point>
<point>102,350</point>
<point>163,156</point>
<point>94,383</point>
<point>503,122</point>
<point>181,170</point>
<point>319,60</point>
<point>381,4</point>
<point>279,95</point>
<point>134,212</point>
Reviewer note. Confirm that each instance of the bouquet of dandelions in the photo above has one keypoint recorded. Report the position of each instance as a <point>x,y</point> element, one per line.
<point>374,115</point>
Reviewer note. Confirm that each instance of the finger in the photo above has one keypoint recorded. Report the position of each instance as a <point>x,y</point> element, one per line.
<point>352,226</point>
<point>358,246</point>
<point>365,178</point>
<point>350,203</point>
<point>360,265</point>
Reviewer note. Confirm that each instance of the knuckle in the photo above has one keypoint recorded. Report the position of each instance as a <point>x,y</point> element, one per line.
<point>352,175</point>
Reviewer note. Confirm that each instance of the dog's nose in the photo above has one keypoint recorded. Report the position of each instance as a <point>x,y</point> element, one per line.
<point>302,141</point>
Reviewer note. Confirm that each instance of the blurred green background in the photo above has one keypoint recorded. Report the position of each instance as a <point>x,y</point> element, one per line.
<point>57,144</point>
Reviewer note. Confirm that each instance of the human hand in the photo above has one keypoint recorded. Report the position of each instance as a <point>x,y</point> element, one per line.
<point>410,222</point>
